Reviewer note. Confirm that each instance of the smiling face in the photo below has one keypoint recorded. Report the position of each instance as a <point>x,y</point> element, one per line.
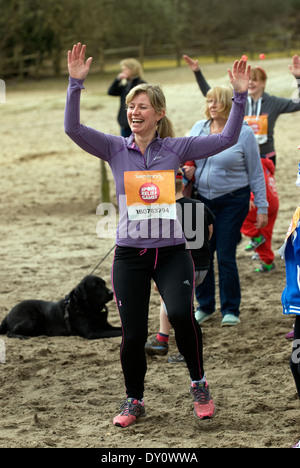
<point>257,83</point>
<point>256,88</point>
<point>142,117</point>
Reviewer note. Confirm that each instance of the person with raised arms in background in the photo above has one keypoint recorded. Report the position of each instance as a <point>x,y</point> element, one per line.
<point>261,113</point>
<point>262,109</point>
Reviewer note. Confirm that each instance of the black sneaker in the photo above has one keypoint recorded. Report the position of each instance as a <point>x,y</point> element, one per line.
<point>153,347</point>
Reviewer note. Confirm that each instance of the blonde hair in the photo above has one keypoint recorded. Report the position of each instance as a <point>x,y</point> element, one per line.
<point>134,66</point>
<point>223,95</point>
<point>158,102</point>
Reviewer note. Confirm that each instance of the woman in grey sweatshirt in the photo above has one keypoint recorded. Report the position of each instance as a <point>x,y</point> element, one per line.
<point>224,183</point>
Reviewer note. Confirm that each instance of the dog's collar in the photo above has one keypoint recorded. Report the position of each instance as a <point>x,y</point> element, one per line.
<point>66,314</point>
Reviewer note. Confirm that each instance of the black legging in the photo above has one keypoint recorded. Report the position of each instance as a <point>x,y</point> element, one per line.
<point>172,269</point>
<point>295,358</point>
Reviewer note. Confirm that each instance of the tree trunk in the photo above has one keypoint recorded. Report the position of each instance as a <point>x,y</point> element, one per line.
<point>105,194</point>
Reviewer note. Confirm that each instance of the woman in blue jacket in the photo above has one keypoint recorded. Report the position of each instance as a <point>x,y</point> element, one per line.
<point>290,298</point>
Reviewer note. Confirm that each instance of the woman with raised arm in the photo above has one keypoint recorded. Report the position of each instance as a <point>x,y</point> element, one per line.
<point>261,113</point>
<point>150,243</point>
<point>262,109</point>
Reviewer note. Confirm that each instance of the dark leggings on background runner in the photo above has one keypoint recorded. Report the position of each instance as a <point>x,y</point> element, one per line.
<point>172,270</point>
<point>295,358</point>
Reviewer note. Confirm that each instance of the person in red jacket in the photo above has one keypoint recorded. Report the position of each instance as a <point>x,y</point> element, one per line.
<point>261,239</point>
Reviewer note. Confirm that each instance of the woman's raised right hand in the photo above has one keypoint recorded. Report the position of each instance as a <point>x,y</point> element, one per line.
<point>77,66</point>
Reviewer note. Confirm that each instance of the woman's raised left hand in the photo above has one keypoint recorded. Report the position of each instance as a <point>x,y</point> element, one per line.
<point>78,67</point>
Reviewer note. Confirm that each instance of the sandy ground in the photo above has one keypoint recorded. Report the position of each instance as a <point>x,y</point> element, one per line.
<point>64,392</point>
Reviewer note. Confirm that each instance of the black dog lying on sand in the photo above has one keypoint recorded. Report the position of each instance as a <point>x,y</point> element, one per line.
<point>83,312</point>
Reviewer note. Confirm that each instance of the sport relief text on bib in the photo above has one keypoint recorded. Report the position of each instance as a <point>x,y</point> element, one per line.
<point>150,194</point>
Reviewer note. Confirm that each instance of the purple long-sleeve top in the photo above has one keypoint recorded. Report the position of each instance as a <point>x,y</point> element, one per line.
<point>123,155</point>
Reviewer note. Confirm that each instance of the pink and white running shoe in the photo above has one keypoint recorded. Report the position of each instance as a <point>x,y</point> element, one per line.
<point>131,409</point>
<point>204,407</point>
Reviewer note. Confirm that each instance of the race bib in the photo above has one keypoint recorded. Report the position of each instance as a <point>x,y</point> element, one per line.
<point>150,194</point>
<point>259,124</point>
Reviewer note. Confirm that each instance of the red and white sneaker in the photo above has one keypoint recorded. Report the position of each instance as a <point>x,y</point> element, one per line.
<point>204,407</point>
<point>131,409</point>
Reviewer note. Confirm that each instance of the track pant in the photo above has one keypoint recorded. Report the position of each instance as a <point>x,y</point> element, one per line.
<point>249,229</point>
<point>230,211</point>
<point>172,269</point>
<point>295,358</point>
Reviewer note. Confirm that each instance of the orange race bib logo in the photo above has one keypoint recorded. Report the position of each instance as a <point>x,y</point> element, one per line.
<point>150,194</point>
